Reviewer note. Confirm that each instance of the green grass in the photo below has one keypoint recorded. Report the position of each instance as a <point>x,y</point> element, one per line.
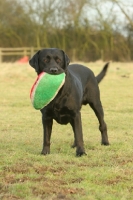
<point>105,173</point>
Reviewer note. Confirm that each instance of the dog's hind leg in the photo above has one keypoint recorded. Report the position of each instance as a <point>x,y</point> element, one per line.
<point>78,135</point>
<point>97,107</point>
<point>73,127</point>
<point>95,104</point>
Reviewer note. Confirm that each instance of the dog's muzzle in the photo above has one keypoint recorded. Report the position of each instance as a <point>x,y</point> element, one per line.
<point>54,70</point>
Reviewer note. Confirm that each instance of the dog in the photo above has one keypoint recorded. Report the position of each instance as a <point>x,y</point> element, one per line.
<point>80,88</point>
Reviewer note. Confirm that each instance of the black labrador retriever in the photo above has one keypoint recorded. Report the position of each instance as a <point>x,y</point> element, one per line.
<point>80,88</point>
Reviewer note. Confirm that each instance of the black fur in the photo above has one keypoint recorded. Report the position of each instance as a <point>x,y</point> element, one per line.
<point>80,88</point>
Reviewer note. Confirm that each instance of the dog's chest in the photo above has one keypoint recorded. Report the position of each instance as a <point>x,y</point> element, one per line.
<point>62,115</point>
<point>63,108</point>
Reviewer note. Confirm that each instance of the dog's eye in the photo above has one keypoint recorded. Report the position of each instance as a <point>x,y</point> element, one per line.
<point>46,60</point>
<point>58,60</point>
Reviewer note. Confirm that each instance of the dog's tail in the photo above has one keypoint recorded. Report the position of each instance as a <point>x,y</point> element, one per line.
<point>101,75</point>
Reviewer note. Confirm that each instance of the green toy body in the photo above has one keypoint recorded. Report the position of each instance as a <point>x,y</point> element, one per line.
<point>45,88</point>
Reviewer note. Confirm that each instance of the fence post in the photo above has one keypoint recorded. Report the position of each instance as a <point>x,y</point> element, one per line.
<point>25,52</point>
<point>102,55</point>
<point>0,55</point>
<point>31,51</point>
<point>73,54</point>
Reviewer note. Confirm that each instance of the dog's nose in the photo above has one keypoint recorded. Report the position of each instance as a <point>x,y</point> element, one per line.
<point>54,70</point>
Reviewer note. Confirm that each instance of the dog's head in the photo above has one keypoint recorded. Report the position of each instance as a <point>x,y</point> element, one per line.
<point>52,61</point>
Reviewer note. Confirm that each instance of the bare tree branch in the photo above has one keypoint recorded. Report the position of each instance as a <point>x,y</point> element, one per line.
<point>124,12</point>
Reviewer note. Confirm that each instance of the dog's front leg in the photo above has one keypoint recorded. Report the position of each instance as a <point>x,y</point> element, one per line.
<point>78,135</point>
<point>47,129</point>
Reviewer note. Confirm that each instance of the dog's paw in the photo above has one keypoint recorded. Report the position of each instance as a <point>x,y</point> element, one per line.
<point>105,143</point>
<point>45,151</point>
<point>80,152</point>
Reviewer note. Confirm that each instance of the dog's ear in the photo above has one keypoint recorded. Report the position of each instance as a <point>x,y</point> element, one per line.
<point>34,62</point>
<point>66,59</point>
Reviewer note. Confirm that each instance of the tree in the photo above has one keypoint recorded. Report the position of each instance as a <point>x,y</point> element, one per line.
<point>14,24</point>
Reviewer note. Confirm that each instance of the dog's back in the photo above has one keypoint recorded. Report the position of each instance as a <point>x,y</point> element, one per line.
<point>81,72</point>
<point>84,73</point>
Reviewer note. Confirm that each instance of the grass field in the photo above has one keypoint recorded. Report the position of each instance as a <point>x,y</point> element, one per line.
<point>104,173</point>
